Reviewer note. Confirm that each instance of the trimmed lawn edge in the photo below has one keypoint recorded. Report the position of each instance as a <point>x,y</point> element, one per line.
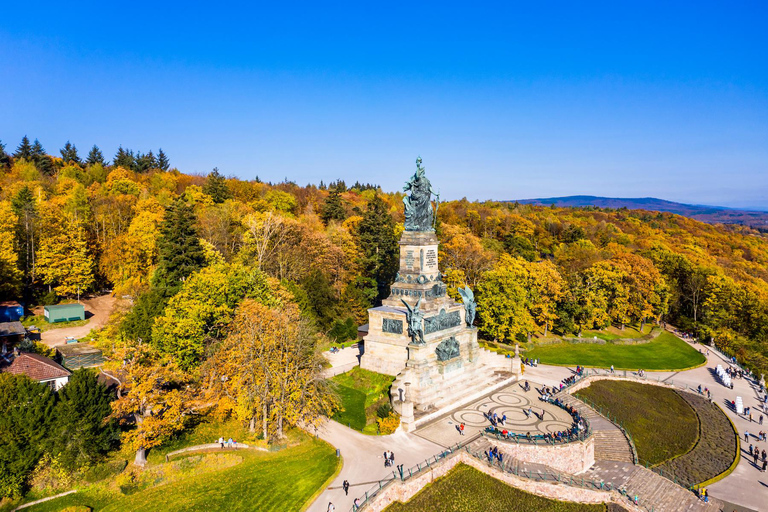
<point>628,369</point>
<point>319,491</point>
<point>735,462</point>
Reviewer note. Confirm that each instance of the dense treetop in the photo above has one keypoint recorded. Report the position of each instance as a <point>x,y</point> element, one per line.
<point>140,227</point>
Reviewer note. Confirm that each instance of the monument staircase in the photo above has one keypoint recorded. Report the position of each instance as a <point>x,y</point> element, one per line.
<point>654,492</point>
<point>610,442</point>
<point>614,464</point>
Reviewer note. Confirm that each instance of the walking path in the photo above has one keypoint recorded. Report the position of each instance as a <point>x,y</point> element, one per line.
<point>746,487</point>
<point>364,462</point>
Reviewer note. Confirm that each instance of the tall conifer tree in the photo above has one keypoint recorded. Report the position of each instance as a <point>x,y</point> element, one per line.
<point>377,240</point>
<point>216,186</point>
<point>95,157</point>
<point>162,160</point>
<point>24,150</point>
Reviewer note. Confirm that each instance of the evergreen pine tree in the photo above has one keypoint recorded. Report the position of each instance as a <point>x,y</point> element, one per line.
<point>24,150</point>
<point>26,409</point>
<point>379,246</point>
<point>5,158</point>
<point>37,150</point>
<point>321,297</point>
<point>179,250</point>
<point>216,186</point>
<point>69,154</point>
<point>81,435</point>
<point>162,160</point>
<point>124,159</point>
<point>333,208</point>
<point>95,157</point>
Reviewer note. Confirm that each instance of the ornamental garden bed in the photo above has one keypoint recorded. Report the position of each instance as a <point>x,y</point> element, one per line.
<point>362,393</point>
<point>714,452</point>
<point>662,424</point>
<point>465,489</point>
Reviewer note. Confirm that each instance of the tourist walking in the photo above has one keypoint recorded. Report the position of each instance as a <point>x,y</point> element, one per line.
<point>221,442</point>
<point>345,486</point>
<point>331,508</point>
<point>461,429</point>
<point>746,435</point>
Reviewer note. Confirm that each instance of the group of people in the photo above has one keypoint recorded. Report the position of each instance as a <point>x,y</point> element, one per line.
<point>494,453</point>
<point>530,362</point>
<point>495,419</point>
<point>755,453</point>
<point>389,458</point>
<point>230,443</point>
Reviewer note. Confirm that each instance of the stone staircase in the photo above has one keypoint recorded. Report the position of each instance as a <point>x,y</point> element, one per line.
<point>610,442</point>
<point>614,464</point>
<point>655,493</point>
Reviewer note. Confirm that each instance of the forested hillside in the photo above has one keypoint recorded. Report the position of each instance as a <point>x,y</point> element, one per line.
<point>167,239</point>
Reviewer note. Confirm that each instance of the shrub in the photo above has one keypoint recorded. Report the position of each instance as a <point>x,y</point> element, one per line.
<point>384,410</point>
<point>50,475</point>
<point>389,424</point>
<point>104,470</point>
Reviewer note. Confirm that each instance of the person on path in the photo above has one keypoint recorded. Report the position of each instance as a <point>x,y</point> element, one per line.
<point>755,456</point>
<point>746,435</point>
<point>331,508</point>
<point>461,429</point>
<point>221,442</point>
<point>761,419</point>
<point>765,463</point>
<point>750,450</point>
<point>345,485</point>
<point>611,368</point>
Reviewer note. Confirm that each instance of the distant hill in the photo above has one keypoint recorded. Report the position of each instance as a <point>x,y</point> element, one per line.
<point>710,214</point>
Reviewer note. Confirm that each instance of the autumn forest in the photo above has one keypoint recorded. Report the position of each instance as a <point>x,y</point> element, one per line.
<point>224,279</point>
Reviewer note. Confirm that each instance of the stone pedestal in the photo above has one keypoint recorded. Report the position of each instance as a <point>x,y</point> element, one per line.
<point>446,366</point>
<point>517,366</point>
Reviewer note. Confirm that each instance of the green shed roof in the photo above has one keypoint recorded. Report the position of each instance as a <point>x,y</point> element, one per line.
<point>61,308</point>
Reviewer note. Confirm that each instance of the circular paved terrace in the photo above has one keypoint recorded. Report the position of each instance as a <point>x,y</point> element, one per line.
<point>544,418</point>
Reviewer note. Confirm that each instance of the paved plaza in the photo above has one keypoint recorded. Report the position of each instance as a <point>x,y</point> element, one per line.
<point>746,486</point>
<point>525,413</point>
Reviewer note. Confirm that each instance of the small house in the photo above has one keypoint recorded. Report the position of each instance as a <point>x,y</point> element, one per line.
<point>11,334</point>
<point>79,355</point>
<point>11,311</point>
<point>39,368</point>
<point>64,313</point>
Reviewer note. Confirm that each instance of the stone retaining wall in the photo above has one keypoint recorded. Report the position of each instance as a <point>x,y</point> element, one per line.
<point>404,491</point>
<point>573,458</point>
<point>586,381</point>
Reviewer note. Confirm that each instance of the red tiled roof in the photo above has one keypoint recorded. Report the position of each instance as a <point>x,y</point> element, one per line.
<point>36,367</point>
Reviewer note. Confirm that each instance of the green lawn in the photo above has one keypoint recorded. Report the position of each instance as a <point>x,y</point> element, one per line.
<point>662,424</point>
<point>361,392</point>
<point>666,352</point>
<point>41,323</point>
<point>615,333</point>
<point>278,481</point>
<point>465,489</point>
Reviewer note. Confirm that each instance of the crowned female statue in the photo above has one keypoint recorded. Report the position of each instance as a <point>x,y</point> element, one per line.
<point>418,206</point>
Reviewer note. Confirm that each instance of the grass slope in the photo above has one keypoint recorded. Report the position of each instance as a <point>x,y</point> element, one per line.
<point>666,352</point>
<point>277,481</point>
<point>361,392</point>
<point>465,489</point>
<point>662,424</point>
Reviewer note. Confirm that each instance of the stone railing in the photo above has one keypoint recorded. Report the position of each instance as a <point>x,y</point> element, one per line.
<point>550,484</point>
<point>573,457</point>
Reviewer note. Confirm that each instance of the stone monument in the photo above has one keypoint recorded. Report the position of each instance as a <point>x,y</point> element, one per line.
<point>419,334</point>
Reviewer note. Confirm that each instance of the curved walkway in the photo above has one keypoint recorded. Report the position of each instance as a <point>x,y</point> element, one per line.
<point>746,487</point>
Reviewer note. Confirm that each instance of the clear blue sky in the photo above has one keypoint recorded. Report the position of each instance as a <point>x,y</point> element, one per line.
<point>502,101</point>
